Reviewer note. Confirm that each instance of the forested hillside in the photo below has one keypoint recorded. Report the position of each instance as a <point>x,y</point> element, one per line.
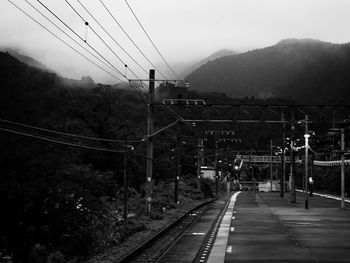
<point>61,185</point>
<point>52,194</point>
<point>219,54</point>
<point>306,71</point>
<point>62,150</point>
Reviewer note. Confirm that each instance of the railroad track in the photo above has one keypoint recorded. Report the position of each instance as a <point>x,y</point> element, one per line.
<point>153,248</point>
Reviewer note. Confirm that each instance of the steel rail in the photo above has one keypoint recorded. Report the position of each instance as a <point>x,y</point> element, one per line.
<point>138,250</point>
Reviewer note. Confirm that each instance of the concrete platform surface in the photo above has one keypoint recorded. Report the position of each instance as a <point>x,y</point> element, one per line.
<point>268,228</point>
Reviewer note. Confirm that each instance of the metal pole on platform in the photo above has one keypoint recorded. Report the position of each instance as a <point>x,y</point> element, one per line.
<point>306,136</point>
<point>342,169</point>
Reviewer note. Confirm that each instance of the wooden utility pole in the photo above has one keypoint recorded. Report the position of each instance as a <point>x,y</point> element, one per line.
<point>283,170</point>
<point>199,162</point>
<point>217,138</point>
<point>178,152</point>
<point>292,158</point>
<point>216,134</point>
<point>150,127</point>
<point>178,169</point>
<point>125,160</point>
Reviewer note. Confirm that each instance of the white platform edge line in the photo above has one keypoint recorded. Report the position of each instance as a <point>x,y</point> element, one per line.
<point>217,253</point>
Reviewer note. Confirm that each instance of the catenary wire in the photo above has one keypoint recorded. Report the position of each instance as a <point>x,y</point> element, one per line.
<point>24,12</point>
<point>316,152</point>
<point>75,33</point>
<point>113,38</point>
<point>84,20</point>
<point>104,42</point>
<point>60,142</point>
<point>68,134</point>
<point>132,41</point>
<point>75,145</point>
<point>149,38</point>
<point>70,36</point>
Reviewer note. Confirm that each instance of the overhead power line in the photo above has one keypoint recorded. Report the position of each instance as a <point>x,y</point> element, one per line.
<point>132,41</point>
<point>68,134</point>
<point>73,144</point>
<point>86,23</point>
<point>104,42</point>
<point>75,33</point>
<point>71,37</point>
<point>36,21</point>
<point>61,142</point>
<point>149,38</point>
<point>114,40</point>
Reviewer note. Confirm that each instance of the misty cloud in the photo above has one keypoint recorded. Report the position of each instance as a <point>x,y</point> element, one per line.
<point>182,30</point>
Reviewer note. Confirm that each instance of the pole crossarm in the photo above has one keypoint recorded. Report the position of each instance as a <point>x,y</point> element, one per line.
<point>156,80</point>
<point>265,158</point>
<point>258,113</point>
<point>194,102</point>
<point>186,122</point>
<point>270,106</point>
<point>236,121</point>
<point>221,132</point>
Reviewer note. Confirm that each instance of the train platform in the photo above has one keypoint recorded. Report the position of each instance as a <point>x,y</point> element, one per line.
<point>264,227</point>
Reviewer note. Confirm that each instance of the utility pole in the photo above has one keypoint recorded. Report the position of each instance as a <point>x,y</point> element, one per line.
<point>216,135</point>
<point>150,127</point>
<point>271,165</point>
<point>254,182</point>
<point>178,151</point>
<point>125,160</point>
<point>282,179</point>
<point>199,162</point>
<point>342,168</point>
<point>292,158</point>
<point>217,138</point>
<point>178,169</point>
<point>306,135</point>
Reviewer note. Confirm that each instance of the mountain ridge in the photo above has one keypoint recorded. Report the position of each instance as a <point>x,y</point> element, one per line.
<point>195,65</point>
<point>30,61</point>
<point>306,70</point>
<point>85,81</point>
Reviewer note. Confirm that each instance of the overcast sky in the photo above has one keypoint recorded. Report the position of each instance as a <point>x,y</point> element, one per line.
<point>183,30</point>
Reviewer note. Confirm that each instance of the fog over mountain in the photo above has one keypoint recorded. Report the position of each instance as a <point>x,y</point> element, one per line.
<point>195,65</point>
<point>305,70</point>
<point>21,56</point>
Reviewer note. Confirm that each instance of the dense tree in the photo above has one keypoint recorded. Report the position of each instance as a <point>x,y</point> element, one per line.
<point>68,199</point>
